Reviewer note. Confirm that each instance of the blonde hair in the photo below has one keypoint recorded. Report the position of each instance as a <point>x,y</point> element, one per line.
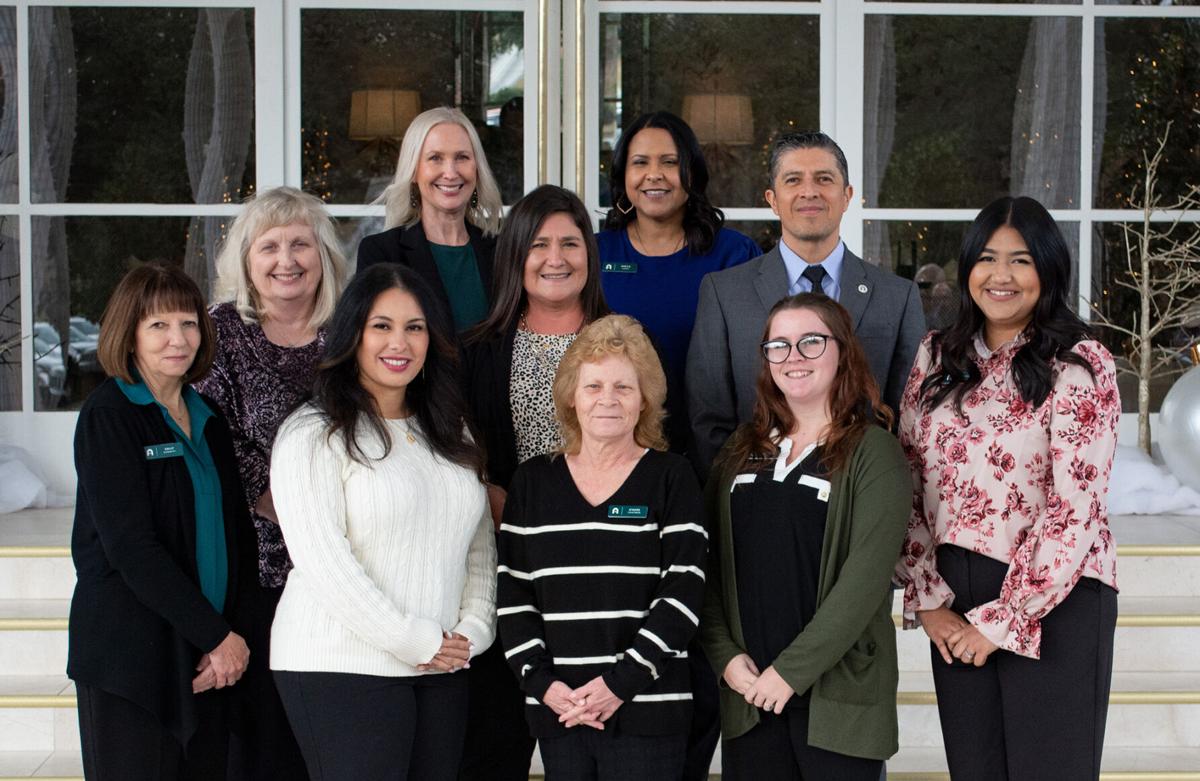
<point>271,209</point>
<point>613,335</point>
<point>398,199</point>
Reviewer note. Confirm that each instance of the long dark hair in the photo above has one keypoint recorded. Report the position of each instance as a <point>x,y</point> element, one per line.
<point>433,397</point>
<point>1051,333</point>
<point>701,220</point>
<point>854,402</point>
<point>520,228</point>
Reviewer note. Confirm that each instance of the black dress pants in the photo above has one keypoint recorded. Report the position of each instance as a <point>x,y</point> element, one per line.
<point>376,728</point>
<point>122,741</point>
<point>261,744</point>
<point>706,715</point>
<point>777,750</point>
<point>1021,719</point>
<point>498,744</point>
<point>589,754</point>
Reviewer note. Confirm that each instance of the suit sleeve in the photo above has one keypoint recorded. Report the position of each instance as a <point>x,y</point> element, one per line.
<point>912,331</point>
<point>113,484</point>
<point>710,385</point>
<point>675,608</point>
<point>882,495</point>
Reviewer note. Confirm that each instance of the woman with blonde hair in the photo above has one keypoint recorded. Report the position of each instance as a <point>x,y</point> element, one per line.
<point>442,214</point>
<point>602,555</point>
<point>279,275</point>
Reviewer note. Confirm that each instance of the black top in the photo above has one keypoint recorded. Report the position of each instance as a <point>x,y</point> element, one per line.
<point>487,372</point>
<point>612,590</point>
<point>409,247</point>
<point>139,622</point>
<point>777,514</point>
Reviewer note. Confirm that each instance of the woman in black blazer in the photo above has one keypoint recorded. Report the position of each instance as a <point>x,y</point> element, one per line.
<point>162,544</point>
<point>442,214</point>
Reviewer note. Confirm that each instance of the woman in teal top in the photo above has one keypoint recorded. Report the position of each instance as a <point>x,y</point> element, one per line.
<point>442,214</point>
<point>162,544</point>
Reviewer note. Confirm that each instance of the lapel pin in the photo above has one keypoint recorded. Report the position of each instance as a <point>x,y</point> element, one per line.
<point>862,288</point>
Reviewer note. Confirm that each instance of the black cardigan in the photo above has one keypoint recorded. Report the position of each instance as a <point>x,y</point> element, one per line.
<point>409,247</point>
<point>487,372</point>
<point>139,622</point>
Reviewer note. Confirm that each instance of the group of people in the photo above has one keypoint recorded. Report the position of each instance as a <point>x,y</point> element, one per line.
<point>405,523</point>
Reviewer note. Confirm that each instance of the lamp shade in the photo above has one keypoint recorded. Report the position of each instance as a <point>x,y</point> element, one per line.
<point>720,119</point>
<point>382,113</point>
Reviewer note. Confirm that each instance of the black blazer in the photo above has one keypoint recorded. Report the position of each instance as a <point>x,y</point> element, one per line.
<point>139,622</point>
<point>487,371</point>
<point>409,247</point>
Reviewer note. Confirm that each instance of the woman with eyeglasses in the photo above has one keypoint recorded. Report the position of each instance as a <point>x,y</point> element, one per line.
<point>809,502</point>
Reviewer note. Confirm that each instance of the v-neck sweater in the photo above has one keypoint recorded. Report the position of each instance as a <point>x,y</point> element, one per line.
<point>611,590</point>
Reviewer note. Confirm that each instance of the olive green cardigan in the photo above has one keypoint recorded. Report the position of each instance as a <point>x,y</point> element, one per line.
<point>847,653</point>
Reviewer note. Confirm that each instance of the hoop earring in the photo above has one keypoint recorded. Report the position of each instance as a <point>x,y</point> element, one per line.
<point>414,196</point>
<point>617,204</point>
<point>475,199</point>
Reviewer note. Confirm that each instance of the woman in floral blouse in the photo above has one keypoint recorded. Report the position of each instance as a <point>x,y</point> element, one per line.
<point>1009,421</point>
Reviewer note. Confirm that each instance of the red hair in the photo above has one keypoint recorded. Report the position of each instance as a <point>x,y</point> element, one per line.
<point>854,401</point>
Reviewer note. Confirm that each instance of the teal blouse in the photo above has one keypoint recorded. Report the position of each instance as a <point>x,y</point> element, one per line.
<point>460,276</point>
<point>211,561</point>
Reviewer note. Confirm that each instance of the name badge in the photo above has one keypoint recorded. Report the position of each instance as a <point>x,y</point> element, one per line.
<point>628,511</point>
<point>619,268</point>
<point>168,450</point>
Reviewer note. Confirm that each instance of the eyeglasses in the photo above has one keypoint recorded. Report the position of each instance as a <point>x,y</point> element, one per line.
<point>809,346</point>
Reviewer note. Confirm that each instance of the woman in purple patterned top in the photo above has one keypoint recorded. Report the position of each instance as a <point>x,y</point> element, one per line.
<point>279,275</point>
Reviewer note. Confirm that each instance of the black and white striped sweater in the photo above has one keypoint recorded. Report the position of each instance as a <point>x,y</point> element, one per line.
<point>612,590</point>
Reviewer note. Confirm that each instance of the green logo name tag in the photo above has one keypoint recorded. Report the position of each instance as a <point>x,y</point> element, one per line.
<point>628,511</point>
<point>619,268</point>
<point>169,450</point>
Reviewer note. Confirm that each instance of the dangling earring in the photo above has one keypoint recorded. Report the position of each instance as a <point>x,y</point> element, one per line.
<point>414,196</point>
<point>617,203</point>
<point>475,199</point>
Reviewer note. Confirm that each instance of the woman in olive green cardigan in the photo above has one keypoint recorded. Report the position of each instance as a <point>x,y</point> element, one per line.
<point>809,523</point>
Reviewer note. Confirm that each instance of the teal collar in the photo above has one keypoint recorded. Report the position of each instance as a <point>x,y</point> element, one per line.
<point>198,411</point>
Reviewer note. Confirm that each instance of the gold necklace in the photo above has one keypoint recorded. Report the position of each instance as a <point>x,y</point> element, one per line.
<point>638,235</point>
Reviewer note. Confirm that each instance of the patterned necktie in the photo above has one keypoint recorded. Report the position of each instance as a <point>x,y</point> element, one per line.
<point>815,275</point>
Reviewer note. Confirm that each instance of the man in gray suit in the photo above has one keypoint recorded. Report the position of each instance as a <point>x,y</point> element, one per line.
<point>810,191</point>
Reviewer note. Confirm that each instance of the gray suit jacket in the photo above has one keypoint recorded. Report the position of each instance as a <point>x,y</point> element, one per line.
<point>724,358</point>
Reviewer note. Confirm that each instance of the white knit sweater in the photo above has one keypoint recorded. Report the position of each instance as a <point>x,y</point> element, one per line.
<point>387,554</point>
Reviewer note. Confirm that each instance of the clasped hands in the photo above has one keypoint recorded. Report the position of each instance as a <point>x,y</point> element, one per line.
<point>955,637</point>
<point>590,705</point>
<point>454,655</point>
<point>766,690</point>
<point>222,666</point>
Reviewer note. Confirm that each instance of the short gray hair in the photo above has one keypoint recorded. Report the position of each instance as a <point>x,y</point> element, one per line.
<point>812,139</point>
<point>271,209</point>
<point>399,210</point>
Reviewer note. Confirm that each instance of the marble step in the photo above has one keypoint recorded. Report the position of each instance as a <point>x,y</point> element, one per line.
<point>1118,764</point>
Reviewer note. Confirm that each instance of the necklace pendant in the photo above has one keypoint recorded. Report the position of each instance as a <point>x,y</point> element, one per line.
<point>411,439</point>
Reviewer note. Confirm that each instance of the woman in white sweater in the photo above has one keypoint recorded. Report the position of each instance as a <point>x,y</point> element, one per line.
<point>377,488</point>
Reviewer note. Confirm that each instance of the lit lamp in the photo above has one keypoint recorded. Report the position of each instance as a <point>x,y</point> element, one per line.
<point>720,119</point>
<point>382,113</point>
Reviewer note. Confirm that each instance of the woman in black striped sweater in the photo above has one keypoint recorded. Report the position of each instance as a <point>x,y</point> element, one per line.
<point>602,554</point>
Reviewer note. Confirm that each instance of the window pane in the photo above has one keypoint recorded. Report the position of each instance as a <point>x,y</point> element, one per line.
<point>927,251</point>
<point>1147,2</point>
<point>472,60</point>
<point>963,109</point>
<point>709,69</point>
<point>1110,267</point>
<point>352,230</point>
<point>10,317</point>
<point>141,104</point>
<point>1147,74</point>
<point>8,106</point>
<point>77,263</point>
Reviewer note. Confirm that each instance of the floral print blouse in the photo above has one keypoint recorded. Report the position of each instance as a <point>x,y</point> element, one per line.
<point>1019,484</point>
